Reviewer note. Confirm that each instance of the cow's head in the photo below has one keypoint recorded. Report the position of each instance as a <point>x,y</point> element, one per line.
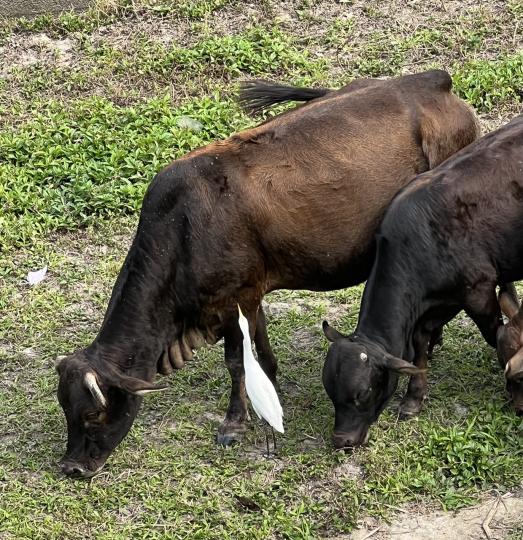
<point>359,377</point>
<point>100,405</point>
<point>510,349</point>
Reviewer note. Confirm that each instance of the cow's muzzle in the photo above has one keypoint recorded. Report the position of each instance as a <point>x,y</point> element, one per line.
<point>76,470</point>
<point>348,440</point>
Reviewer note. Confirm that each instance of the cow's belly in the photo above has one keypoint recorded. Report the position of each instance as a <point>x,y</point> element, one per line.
<point>323,258</point>
<point>328,272</point>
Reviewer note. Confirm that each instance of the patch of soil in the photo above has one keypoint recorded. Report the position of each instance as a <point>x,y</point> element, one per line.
<point>499,515</point>
<point>348,470</point>
<point>23,50</point>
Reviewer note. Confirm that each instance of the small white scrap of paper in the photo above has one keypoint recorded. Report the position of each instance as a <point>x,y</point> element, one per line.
<point>35,277</point>
<point>186,122</point>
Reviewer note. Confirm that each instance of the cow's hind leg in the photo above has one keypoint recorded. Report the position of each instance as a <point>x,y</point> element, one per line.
<point>412,402</point>
<point>266,357</point>
<point>233,427</point>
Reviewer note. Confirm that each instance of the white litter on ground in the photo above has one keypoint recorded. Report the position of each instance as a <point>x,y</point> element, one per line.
<point>35,277</point>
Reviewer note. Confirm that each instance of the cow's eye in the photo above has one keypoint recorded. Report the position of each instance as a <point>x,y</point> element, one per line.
<point>95,417</point>
<point>363,396</point>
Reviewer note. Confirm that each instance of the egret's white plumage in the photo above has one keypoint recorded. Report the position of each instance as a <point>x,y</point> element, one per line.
<point>260,389</point>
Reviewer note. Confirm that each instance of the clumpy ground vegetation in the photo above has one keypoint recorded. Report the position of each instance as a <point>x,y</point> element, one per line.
<point>91,105</point>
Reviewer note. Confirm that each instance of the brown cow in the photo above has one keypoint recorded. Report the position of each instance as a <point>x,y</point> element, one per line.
<point>292,204</point>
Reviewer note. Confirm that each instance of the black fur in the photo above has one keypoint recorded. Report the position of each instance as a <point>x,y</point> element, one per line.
<point>256,96</point>
<point>447,240</point>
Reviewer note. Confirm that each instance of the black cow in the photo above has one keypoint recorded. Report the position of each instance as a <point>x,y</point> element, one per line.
<point>446,241</point>
<point>293,203</point>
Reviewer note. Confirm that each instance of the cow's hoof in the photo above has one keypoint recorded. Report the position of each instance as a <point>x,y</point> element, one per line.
<point>230,433</point>
<point>409,409</point>
<point>225,439</point>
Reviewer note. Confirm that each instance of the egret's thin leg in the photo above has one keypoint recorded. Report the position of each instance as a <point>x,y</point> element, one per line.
<point>273,440</point>
<point>266,439</point>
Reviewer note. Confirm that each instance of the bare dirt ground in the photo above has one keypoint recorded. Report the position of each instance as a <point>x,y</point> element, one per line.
<point>493,519</point>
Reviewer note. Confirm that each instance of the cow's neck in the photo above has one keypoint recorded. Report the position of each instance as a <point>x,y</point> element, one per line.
<point>390,308</point>
<point>139,321</point>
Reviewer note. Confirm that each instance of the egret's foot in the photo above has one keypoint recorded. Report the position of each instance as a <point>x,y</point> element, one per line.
<point>410,407</point>
<point>230,433</point>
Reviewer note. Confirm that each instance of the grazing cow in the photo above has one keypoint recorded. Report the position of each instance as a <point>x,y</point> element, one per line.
<point>446,241</point>
<point>293,203</point>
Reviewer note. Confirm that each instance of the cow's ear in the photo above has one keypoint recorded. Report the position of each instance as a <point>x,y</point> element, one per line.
<point>330,333</point>
<point>514,367</point>
<point>131,385</point>
<point>138,387</point>
<point>400,366</point>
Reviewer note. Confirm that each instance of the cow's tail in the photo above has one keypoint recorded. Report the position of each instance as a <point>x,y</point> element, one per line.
<point>255,96</point>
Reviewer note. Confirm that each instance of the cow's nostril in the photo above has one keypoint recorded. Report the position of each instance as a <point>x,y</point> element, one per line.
<point>348,440</point>
<point>72,469</point>
<point>342,441</point>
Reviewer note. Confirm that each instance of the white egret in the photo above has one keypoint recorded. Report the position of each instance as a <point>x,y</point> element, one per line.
<point>261,391</point>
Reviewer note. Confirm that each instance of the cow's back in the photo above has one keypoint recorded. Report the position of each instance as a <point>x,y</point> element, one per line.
<point>469,210</point>
<point>301,196</point>
<point>318,181</point>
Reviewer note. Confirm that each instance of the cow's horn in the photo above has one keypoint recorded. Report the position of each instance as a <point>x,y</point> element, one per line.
<point>59,358</point>
<point>92,384</point>
<point>508,305</point>
<point>514,367</point>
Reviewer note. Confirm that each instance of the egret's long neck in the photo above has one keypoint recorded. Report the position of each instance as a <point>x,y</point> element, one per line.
<point>247,349</point>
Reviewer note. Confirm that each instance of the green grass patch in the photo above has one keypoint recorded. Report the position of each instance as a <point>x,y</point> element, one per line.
<point>104,12</point>
<point>168,477</point>
<point>516,533</point>
<point>69,168</point>
<point>489,84</point>
<point>450,463</point>
<point>147,66</point>
<point>258,51</point>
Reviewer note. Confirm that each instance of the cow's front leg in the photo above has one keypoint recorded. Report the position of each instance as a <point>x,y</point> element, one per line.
<point>233,427</point>
<point>412,402</point>
<point>436,339</point>
<point>266,357</point>
<point>482,307</point>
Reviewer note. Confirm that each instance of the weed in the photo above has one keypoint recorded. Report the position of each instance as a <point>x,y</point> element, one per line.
<point>69,168</point>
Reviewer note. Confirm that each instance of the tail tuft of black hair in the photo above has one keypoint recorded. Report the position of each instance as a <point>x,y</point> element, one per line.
<point>256,96</point>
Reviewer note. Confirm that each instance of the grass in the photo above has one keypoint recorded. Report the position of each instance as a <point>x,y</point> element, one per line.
<point>488,84</point>
<point>70,167</point>
<point>516,534</point>
<point>188,485</point>
<point>82,136</point>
